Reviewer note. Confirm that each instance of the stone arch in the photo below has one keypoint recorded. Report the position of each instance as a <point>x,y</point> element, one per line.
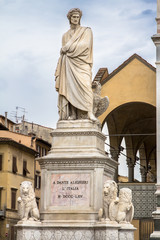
<point>136,121</point>
<point>131,90</point>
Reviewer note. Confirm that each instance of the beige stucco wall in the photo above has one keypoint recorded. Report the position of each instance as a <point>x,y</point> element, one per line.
<point>136,82</point>
<point>10,180</point>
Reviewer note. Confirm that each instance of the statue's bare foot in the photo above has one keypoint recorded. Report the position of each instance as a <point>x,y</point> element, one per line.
<point>92,117</point>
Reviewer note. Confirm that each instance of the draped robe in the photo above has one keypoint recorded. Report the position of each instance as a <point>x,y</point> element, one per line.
<point>73,73</point>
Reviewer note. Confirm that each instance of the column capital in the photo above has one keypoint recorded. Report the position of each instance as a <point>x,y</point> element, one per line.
<point>115,154</point>
<point>156,38</point>
<point>143,170</point>
<point>130,162</point>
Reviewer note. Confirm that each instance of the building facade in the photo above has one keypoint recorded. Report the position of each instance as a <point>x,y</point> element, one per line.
<point>39,131</point>
<point>16,166</point>
<point>131,117</point>
<point>18,163</point>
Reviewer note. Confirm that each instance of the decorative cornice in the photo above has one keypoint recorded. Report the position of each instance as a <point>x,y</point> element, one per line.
<point>78,133</point>
<point>106,163</point>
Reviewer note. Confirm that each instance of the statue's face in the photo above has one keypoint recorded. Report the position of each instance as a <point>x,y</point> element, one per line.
<point>75,18</point>
<point>25,190</point>
<point>106,189</point>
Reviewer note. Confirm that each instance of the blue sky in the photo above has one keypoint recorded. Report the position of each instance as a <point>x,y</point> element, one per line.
<point>30,43</point>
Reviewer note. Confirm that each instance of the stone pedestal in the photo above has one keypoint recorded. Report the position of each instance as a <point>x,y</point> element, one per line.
<point>126,232</point>
<point>73,173</point>
<point>98,231</point>
<point>73,176</point>
<point>106,231</point>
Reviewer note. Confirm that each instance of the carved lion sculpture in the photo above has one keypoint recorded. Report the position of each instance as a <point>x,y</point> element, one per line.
<point>125,206</point>
<point>123,211</point>
<point>109,196</point>
<point>27,206</point>
<point>99,104</point>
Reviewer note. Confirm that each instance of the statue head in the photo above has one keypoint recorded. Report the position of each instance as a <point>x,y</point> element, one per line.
<point>75,11</point>
<point>110,189</point>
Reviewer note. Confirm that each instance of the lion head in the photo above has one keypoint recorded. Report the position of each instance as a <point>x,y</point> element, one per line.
<point>110,189</point>
<point>26,189</point>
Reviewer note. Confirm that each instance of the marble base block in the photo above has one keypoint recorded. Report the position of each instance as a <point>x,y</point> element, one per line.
<point>71,232</point>
<point>72,179</point>
<point>106,231</point>
<point>126,232</point>
<point>55,233</point>
<point>73,173</point>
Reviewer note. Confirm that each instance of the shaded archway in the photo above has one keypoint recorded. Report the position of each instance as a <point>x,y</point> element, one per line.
<point>136,122</point>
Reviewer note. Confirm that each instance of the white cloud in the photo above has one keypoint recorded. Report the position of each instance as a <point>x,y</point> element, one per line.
<point>31,34</point>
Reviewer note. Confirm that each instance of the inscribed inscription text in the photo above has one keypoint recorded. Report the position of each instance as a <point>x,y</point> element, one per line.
<point>70,189</point>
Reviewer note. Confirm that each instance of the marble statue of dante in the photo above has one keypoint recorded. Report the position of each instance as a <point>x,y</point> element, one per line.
<point>73,74</point>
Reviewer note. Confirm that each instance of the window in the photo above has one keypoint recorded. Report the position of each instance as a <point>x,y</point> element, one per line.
<point>37,181</point>
<point>44,151</point>
<point>13,233</point>
<point>38,148</point>
<point>1,198</point>
<point>25,170</point>
<point>0,162</point>
<point>14,165</point>
<point>37,201</point>
<point>17,129</point>
<point>13,198</point>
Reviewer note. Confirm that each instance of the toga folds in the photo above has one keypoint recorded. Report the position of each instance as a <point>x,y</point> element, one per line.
<point>73,73</point>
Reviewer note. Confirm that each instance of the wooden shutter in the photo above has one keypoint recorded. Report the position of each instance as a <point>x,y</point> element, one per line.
<point>0,162</point>
<point>39,182</point>
<point>14,165</point>
<point>0,198</point>
<point>13,233</point>
<point>13,198</point>
<point>25,170</point>
<point>36,181</point>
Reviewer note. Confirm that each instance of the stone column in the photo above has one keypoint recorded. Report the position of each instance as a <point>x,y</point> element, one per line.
<point>130,165</point>
<point>143,174</point>
<point>115,155</point>
<point>156,40</point>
